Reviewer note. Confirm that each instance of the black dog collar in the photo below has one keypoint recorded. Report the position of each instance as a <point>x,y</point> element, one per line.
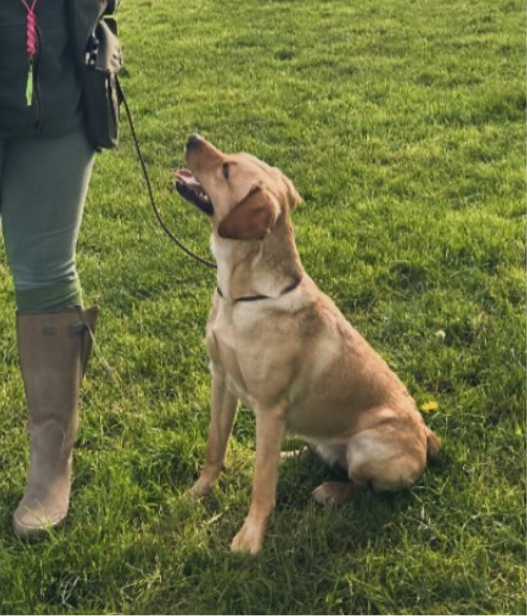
<point>255,298</point>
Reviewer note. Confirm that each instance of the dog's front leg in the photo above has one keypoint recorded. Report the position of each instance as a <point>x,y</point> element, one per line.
<point>270,430</point>
<point>223,411</point>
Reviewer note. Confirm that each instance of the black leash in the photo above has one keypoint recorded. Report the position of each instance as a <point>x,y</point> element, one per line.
<point>157,213</point>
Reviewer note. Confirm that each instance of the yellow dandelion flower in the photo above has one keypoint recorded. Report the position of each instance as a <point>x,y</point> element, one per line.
<point>431,405</point>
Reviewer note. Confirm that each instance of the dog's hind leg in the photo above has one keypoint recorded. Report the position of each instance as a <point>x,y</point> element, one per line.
<point>334,492</point>
<point>387,458</point>
<point>223,411</point>
<point>332,454</point>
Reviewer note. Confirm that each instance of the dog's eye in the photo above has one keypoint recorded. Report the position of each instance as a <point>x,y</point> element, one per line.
<point>225,170</point>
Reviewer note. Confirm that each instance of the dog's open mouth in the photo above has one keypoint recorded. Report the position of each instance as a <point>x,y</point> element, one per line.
<point>191,190</point>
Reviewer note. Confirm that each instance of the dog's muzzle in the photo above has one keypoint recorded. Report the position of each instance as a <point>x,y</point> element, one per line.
<point>191,190</point>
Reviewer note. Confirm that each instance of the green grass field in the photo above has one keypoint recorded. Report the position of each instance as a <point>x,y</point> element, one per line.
<point>402,124</point>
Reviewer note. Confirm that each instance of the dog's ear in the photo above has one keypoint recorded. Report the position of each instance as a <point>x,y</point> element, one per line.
<point>293,198</point>
<point>252,218</point>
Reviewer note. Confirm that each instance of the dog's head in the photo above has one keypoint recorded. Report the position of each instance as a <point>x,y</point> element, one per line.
<point>243,196</point>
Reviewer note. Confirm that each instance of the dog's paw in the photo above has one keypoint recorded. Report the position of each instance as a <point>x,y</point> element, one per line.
<point>249,539</point>
<point>200,488</point>
<point>334,492</point>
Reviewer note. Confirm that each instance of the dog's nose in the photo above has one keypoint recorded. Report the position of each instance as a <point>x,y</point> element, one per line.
<point>193,141</point>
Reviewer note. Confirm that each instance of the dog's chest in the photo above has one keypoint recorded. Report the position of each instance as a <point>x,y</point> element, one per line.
<point>227,354</point>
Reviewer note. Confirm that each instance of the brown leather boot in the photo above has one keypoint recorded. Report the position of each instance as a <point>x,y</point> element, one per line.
<point>54,348</point>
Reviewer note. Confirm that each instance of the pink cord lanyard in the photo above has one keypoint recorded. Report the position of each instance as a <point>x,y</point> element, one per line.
<point>31,46</point>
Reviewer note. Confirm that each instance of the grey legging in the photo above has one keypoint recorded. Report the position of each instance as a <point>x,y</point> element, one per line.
<point>43,184</point>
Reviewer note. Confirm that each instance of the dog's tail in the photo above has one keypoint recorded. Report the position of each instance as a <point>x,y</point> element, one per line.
<point>433,444</point>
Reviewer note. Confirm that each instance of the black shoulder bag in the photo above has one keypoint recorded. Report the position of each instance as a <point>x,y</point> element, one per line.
<point>102,96</point>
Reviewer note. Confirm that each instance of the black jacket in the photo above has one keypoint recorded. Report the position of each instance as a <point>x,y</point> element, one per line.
<point>64,28</point>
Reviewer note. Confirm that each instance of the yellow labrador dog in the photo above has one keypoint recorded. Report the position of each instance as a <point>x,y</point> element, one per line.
<point>281,346</point>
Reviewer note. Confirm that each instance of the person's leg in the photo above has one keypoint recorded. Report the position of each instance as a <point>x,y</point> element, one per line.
<point>42,190</point>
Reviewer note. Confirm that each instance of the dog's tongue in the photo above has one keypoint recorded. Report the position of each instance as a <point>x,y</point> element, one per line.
<point>185,177</point>
<point>189,187</point>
